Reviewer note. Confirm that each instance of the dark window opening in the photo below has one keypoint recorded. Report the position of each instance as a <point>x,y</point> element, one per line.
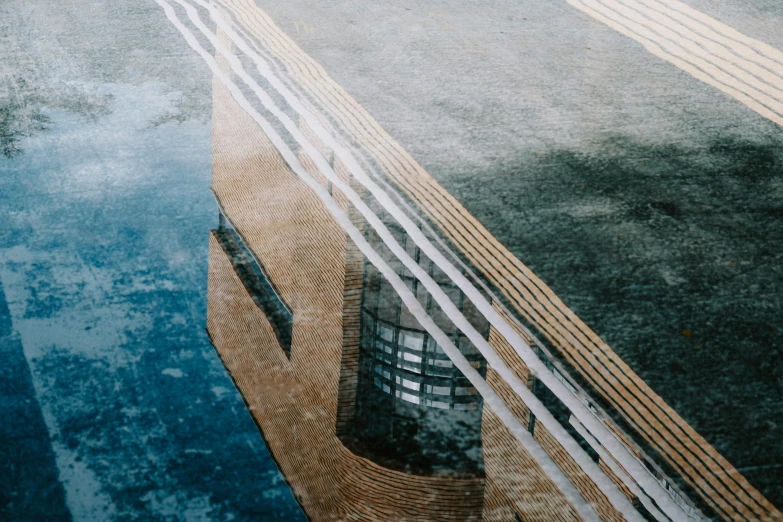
<point>257,283</point>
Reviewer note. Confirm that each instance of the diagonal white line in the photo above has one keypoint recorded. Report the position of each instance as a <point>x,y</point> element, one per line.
<point>740,49</point>
<point>761,49</point>
<point>617,470</point>
<point>620,15</point>
<point>497,405</point>
<point>664,25</point>
<point>709,59</point>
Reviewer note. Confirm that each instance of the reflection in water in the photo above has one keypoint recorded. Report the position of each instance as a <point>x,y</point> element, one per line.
<point>258,286</point>
<point>377,468</point>
<point>364,414</point>
<point>390,460</point>
<point>414,411</point>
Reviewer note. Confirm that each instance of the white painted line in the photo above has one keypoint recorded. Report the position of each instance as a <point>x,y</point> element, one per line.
<point>617,470</point>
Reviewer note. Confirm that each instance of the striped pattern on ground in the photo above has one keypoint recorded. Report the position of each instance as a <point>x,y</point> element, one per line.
<point>711,475</point>
<point>564,461</point>
<point>509,356</point>
<point>620,484</point>
<point>514,481</point>
<point>717,54</point>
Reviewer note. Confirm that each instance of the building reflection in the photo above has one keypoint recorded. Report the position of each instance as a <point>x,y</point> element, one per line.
<point>364,414</point>
<point>410,447</point>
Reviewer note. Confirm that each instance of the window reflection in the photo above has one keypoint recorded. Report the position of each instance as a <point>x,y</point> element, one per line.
<point>415,411</point>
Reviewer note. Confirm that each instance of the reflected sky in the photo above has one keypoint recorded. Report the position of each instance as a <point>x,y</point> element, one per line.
<point>103,261</point>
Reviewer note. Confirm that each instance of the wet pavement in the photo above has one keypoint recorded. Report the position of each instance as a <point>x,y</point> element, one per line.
<point>647,200</point>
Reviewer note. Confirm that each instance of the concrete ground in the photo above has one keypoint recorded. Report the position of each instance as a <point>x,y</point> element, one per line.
<point>650,202</point>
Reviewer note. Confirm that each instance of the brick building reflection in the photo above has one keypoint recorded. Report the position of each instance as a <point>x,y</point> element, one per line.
<point>284,312</point>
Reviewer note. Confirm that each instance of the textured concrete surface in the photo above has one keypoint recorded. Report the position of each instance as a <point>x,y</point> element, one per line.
<point>113,403</point>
